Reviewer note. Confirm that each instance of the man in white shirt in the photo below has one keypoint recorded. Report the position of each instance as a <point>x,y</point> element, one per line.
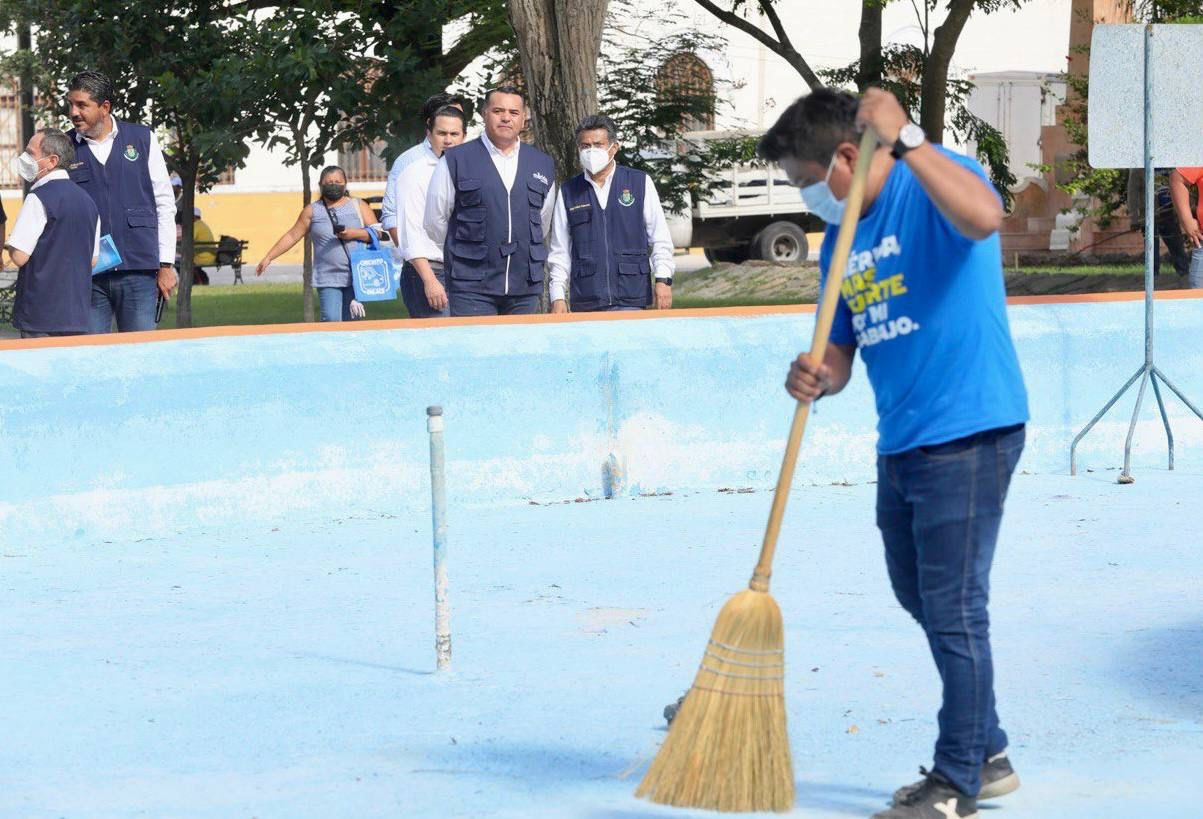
<point>489,205</point>
<point>390,207</point>
<point>54,242</point>
<point>423,284</point>
<point>120,165</point>
<point>606,219</point>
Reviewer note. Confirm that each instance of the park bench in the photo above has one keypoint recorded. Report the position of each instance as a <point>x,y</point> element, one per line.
<point>227,252</point>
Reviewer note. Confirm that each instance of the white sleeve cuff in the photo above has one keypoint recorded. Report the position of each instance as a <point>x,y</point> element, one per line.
<point>556,291</point>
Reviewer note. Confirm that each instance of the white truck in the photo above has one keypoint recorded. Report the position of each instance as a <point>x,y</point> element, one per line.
<point>755,214</point>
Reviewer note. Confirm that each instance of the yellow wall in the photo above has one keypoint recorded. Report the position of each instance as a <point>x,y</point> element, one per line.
<point>12,204</point>
<point>259,218</point>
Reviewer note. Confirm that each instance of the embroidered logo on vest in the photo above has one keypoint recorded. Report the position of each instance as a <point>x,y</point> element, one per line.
<point>131,153</point>
<point>541,178</point>
<point>626,199</point>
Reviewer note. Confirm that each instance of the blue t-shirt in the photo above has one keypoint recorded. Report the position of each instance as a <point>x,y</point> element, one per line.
<point>927,308</point>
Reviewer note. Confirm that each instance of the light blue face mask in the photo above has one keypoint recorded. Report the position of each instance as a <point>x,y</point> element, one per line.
<point>821,201</point>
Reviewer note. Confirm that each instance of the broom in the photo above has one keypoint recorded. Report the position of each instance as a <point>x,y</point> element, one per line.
<point>728,748</point>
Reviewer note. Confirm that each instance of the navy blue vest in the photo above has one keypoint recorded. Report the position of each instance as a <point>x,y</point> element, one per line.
<point>54,288</point>
<point>123,194</point>
<point>495,244</point>
<point>610,264</point>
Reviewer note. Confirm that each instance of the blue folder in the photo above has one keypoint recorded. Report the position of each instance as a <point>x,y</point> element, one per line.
<point>109,257</point>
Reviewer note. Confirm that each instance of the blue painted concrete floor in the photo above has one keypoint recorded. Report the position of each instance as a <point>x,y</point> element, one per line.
<point>288,673</point>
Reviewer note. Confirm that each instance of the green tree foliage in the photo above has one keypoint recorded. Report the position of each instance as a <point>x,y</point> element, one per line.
<point>652,117</point>
<point>653,120</point>
<point>902,74</point>
<point>211,75</point>
<point>405,38</point>
<point>318,93</point>
<point>184,70</point>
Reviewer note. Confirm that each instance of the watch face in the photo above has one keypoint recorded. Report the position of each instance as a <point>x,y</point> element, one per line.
<point>911,135</point>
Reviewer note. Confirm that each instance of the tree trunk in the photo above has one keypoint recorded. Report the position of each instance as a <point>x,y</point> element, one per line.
<point>870,66</point>
<point>183,298</point>
<point>560,42</point>
<point>25,43</point>
<point>306,195</point>
<point>934,91</point>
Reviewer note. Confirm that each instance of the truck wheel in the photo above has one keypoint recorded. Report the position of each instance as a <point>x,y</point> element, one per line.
<point>781,242</point>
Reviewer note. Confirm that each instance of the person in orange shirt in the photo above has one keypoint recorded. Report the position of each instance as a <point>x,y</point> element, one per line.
<point>1180,180</point>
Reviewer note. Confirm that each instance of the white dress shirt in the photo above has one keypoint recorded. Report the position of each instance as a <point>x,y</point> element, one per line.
<point>31,220</point>
<point>559,255</point>
<point>391,206</point>
<point>160,183</point>
<point>412,184</point>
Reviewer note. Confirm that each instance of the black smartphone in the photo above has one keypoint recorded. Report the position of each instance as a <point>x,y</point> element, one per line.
<point>160,303</point>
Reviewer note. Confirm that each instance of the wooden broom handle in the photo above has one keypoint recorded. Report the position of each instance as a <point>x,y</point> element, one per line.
<point>818,350</point>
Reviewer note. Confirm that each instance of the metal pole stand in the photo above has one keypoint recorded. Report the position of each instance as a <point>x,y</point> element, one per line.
<point>438,503</point>
<point>1148,372</point>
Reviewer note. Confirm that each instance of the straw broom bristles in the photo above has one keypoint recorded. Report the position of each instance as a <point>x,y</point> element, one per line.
<point>728,748</point>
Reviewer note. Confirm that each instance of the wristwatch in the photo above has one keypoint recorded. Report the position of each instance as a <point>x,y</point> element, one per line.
<point>910,137</point>
<point>665,280</point>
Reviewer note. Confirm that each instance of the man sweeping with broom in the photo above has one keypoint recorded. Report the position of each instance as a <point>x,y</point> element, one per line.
<point>923,300</point>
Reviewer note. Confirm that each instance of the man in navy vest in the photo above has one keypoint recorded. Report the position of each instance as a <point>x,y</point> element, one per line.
<point>120,165</point>
<point>55,242</point>
<point>489,205</point>
<point>605,220</point>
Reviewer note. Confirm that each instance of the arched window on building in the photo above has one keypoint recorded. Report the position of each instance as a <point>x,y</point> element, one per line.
<point>685,73</point>
<point>365,164</point>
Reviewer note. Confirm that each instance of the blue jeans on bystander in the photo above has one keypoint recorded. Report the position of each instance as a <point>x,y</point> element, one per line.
<point>334,303</point>
<point>939,509</point>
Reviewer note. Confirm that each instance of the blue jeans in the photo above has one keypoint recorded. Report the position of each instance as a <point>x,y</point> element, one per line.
<point>413,292</point>
<point>939,510</point>
<point>128,296</point>
<point>1195,277</point>
<point>334,303</point>
<point>478,304</point>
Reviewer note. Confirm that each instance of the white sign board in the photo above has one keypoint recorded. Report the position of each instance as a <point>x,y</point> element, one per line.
<point>1117,91</point>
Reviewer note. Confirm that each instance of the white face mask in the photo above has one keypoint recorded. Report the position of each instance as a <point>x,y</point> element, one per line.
<point>594,160</point>
<point>821,201</point>
<point>26,167</point>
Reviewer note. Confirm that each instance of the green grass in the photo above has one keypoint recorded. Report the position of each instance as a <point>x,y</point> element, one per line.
<point>1075,270</point>
<point>260,304</point>
<point>282,303</point>
<point>1086,269</point>
<point>684,302</point>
